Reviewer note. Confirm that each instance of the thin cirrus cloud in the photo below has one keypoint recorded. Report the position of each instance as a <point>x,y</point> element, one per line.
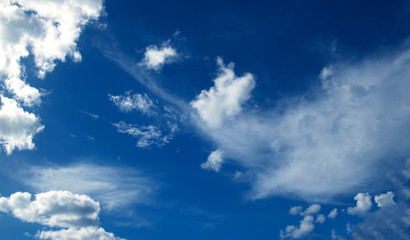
<point>47,30</point>
<point>74,213</point>
<point>115,188</point>
<point>323,146</point>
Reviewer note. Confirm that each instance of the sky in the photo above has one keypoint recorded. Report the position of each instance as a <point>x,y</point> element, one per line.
<point>197,120</point>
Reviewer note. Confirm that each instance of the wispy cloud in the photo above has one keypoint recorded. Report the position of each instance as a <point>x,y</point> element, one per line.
<point>115,188</point>
<point>129,103</point>
<point>155,57</point>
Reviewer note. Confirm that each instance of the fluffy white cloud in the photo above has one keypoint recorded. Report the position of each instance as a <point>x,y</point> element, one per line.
<point>214,162</point>
<point>54,208</point>
<point>312,209</point>
<point>321,146</point>
<point>155,57</point>
<point>48,30</point>
<point>87,233</point>
<point>385,200</point>
<point>17,127</point>
<point>332,214</point>
<point>128,102</point>
<point>306,226</point>
<point>115,188</point>
<point>147,135</point>
<point>295,210</point>
<point>225,98</point>
<point>363,204</point>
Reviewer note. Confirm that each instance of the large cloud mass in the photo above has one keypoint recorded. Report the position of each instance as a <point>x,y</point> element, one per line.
<point>316,147</point>
<point>47,30</point>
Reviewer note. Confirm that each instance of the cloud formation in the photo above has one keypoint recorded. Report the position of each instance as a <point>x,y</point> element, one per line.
<point>129,103</point>
<point>385,200</point>
<point>17,127</point>
<point>223,100</point>
<point>87,233</point>
<point>363,204</point>
<point>146,135</point>
<point>306,226</point>
<point>214,162</point>
<point>155,57</point>
<point>47,30</point>
<point>115,188</point>
<point>319,146</point>
<point>53,209</point>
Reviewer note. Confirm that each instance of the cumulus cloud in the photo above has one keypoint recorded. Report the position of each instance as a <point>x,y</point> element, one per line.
<point>54,208</point>
<point>155,57</point>
<point>47,30</point>
<point>333,214</point>
<point>129,103</point>
<point>319,146</point>
<point>115,188</point>
<point>17,127</point>
<point>385,200</point>
<point>214,162</point>
<point>320,218</point>
<point>225,98</point>
<point>86,233</point>
<point>306,226</point>
<point>312,209</point>
<point>146,135</point>
<point>363,204</point>
<point>295,210</point>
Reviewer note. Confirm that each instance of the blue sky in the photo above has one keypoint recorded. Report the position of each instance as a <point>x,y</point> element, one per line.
<point>219,119</point>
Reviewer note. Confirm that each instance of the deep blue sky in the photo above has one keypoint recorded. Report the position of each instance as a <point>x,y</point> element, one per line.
<point>285,46</point>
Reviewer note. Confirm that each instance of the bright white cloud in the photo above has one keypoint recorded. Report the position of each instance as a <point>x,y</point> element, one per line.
<point>385,200</point>
<point>17,127</point>
<point>48,30</point>
<point>54,208</point>
<point>156,57</point>
<point>214,162</point>
<point>332,214</point>
<point>129,103</point>
<point>320,146</point>
<point>87,233</point>
<point>225,98</point>
<point>115,188</point>
<point>295,210</point>
<point>306,226</point>
<point>363,204</point>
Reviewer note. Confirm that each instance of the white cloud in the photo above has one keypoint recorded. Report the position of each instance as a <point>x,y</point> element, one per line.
<point>48,30</point>
<point>225,98</point>
<point>147,135</point>
<point>214,162</point>
<point>306,226</point>
<point>155,57</point>
<point>87,233</point>
<point>385,200</point>
<point>17,127</point>
<point>129,103</point>
<point>54,208</point>
<point>363,204</point>
<point>295,210</point>
<point>332,214</point>
<point>312,209</point>
<point>320,146</point>
<point>320,218</point>
<point>115,188</point>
